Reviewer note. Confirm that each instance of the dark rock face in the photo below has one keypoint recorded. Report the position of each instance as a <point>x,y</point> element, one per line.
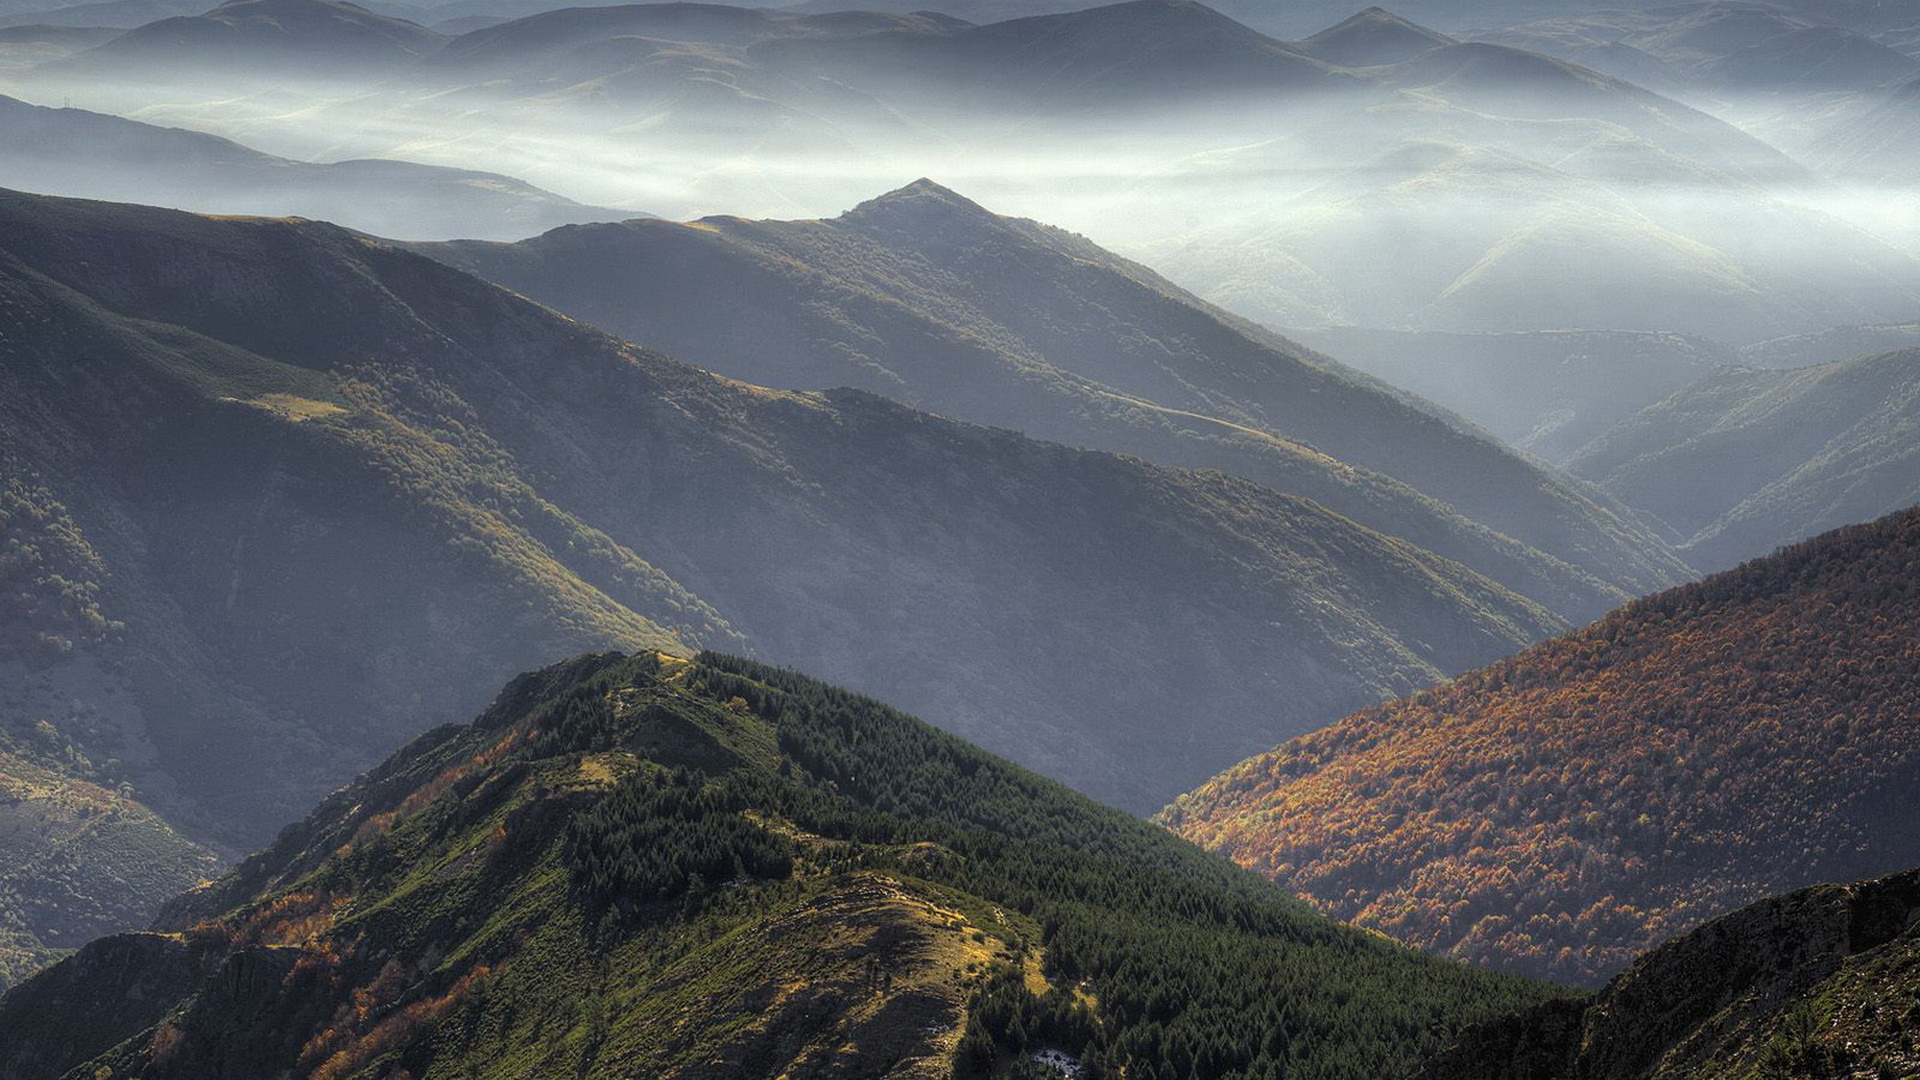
<point>1771,985</point>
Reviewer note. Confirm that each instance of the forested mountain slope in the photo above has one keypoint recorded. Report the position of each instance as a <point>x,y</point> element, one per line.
<point>646,866</point>
<point>329,488</point>
<point>1562,811</point>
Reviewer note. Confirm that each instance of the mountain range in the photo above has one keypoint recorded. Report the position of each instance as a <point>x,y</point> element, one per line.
<point>289,489</point>
<point>1524,192</point>
<point>650,866</point>
<point>928,298</point>
<point>1562,811</point>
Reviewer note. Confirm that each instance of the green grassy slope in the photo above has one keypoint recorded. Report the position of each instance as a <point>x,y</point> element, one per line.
<point>645,866</point>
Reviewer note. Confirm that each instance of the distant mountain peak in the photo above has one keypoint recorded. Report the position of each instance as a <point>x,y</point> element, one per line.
<point>924,203</point>
<point>1373,36</point>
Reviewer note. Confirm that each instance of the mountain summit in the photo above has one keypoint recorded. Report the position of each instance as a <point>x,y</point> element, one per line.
<point>1373,37</point>
<point>715,870</point>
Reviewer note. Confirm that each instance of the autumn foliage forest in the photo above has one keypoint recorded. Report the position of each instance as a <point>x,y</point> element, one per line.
<point>1561,811</point>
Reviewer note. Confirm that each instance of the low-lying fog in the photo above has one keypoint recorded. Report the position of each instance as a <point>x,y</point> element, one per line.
<point>1469,189</point>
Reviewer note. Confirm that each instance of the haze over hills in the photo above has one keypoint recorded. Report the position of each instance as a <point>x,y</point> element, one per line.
<point>1564,810</point>
<point>925,296</point>
<point>252,36</point>
<point>1819,982</point>
<point>1549,392</point>
<point>326,482</point>
<point>1258,172</point>
<point>645,866</point>
<point>91,155</point>
<point>1744,460</point>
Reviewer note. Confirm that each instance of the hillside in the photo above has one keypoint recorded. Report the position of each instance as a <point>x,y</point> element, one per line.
<point>257,37</point>
<point>646,866</point>
<point>1548,392</point>
<point>320,488</point>
<point>1816,983</point>
<point>91,155</point>
<point>925,296</point>
<point>1564,810</point>
<point>1744,461</point>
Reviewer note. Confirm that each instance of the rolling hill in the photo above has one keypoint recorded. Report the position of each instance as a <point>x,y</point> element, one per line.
<point>90,155</point>
<point>924,296</point>
<point>1564,810</point>
<point>649,866</point>
<point>1746,460</point>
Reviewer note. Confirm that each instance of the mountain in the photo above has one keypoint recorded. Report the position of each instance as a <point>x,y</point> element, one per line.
<point>923,295</point>
<point>257,38</point>
<point>645,866</point>
<point>1566,809</point>
<point>1518,192</point>
<point>326,484</point>
<point>1720,46</point>
<point>91,155</point>
<point>1745,460</point>
<point>1819,982</point>
<point>1549,392</point>
<point>1800,76</point>
<point>1374,36</point>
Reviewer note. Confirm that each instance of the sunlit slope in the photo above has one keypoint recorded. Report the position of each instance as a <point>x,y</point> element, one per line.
<point>1819,982</point>
<point>1743,460</point>
<point>644,866</point>
<point>1561,811</point>
<point>306,458</point>
<point>923,295</point>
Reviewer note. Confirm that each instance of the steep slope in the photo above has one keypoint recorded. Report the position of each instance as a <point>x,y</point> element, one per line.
<point>1744,461</point>
<point>925,296</point>
<point>79,857</point>
<point>1816,983</point>
<point>92,155</point>
<point>1564,810</point>
<point>304,459</point>
<point>645,866</point>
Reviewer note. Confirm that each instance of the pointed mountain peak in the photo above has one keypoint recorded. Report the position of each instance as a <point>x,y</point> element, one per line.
<point>1374,36</point>
<point>921,204</point>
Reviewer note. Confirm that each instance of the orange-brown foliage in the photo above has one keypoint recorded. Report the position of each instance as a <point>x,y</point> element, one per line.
<point>1563,810</point>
